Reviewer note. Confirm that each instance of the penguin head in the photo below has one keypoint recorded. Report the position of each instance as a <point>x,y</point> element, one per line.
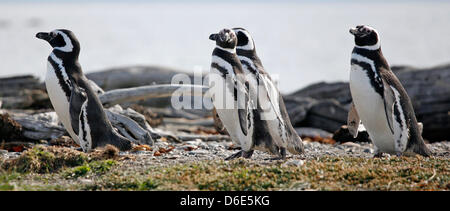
<point>245,40</point>
<point>226,38</point>
<point>366,37</point>
<point>62,40</point>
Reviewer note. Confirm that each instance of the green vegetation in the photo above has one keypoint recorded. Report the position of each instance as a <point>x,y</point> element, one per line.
<point>47,168</point>
<point>42,159</point>
<point>94,167</point>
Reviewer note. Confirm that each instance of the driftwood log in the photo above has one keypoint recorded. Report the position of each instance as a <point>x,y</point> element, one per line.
<point>23,92</point>
<point>134,76</point>
<point>135,94</point>
<point>325,105</point>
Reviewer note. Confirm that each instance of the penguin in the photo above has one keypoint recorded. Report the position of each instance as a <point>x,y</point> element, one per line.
<point>233,99</point>
<point>269,101</point>
<point>72,96</point>
<point>380,102</point>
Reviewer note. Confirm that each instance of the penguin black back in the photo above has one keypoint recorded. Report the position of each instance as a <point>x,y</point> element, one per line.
<point>283,131</point>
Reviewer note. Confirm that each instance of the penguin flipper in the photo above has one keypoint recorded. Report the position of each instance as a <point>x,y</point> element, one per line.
<point>353,121</point>
<point>273,95</point>
<point>77,98</point>
<point>243,107</point>
<point>389,101</point>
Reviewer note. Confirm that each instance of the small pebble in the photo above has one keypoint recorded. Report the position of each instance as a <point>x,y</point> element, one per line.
<point>368,150</point>
<point>86,181</point>
<point>3,152</point>
<point>297,163</point>
<point>351,144</point>
<point>172,157</point>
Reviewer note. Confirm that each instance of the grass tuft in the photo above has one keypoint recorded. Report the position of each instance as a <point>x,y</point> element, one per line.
<point>42,159</point>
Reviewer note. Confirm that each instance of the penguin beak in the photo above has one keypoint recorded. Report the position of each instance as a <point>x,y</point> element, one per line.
<point>44,36</point>
<point>213,37</point>
<point>353,31</point>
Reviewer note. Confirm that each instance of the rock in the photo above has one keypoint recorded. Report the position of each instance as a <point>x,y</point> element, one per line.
<point>154,119</point>
<point>86,181</point>
<point>3,152</point>
<point>10,129</point>
<point>195,142</point>
<point>312,132</point>
<point>368,150</point>
<point>172,157</point>
<point>297,163</point>
<point>189,147</point>
<point>199,152</point>
<point>65,141</point>
<point>350,144</point>
<point>343,135</point>
<point>297,108</point>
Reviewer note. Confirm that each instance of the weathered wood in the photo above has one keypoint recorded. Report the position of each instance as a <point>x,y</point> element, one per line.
<point>138,125</point>
<point>23,92</point>
<point>206,122</point>
<point>118,96</point>
<point>204,137</point>
<point>125,77</point>
<point>43,126</point>
<point>27,98</point>
<point>191,114</point>
<point>129,128</point>
<point>10,86</point>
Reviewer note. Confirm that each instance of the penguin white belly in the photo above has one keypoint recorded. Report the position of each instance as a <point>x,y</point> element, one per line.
<point>229,118</point>
<point>59,100</point>
<point>228,113</point>
<point>370,108</point>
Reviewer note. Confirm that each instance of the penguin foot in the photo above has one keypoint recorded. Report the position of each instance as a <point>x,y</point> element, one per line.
<point>378,155</point>
<point>275,158</point>
<point>282,155</point>
<point>239,154</point>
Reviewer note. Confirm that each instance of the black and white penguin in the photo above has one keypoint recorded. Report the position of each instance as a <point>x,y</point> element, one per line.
<point>380,101</point>
<point>270,101</point>
<point>234,99</point>
<point>230,92</point>
<point>76,103</point>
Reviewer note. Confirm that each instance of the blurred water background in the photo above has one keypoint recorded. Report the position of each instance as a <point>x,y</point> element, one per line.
<point>302,42</point>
